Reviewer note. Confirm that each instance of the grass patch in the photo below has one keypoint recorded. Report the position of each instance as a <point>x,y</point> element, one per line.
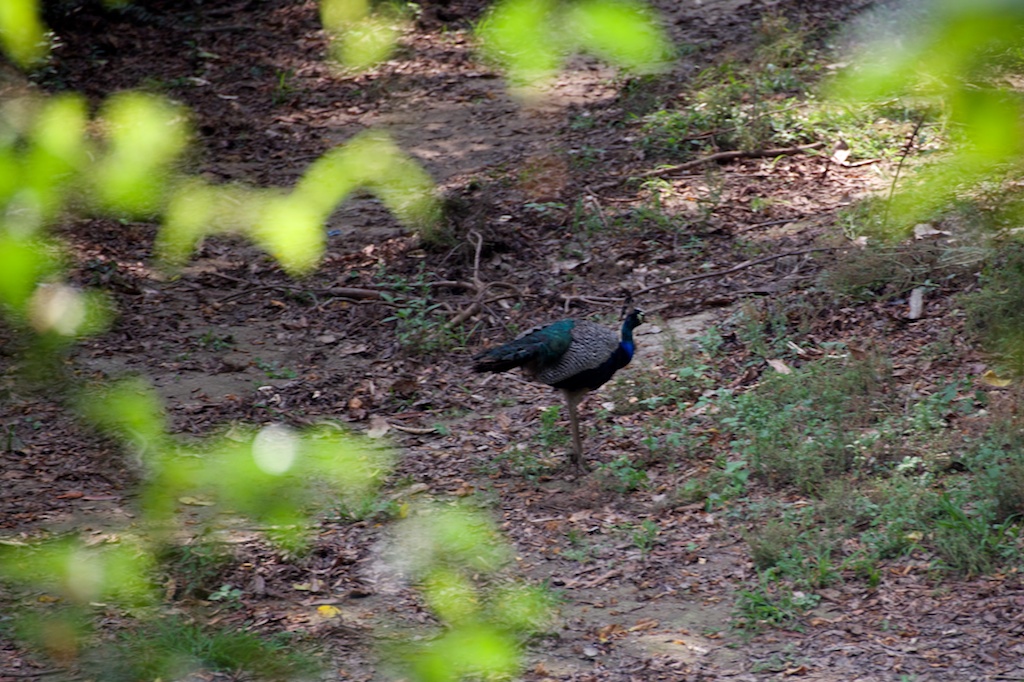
<point>995,312</point>
<point>173,648</point>
<point>195,569</point>
<point>808,427</point>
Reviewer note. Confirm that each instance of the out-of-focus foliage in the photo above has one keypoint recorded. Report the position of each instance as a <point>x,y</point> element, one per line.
<point>531,38</point>
<point>528,38</point>
<point>22,33</point>
<point>145,135</point>
<point>289,226</point>
<point>361,35</point>
<point>68,569</point>
<point>454,554</point>
<point>270,474</point>
<point>968,57</point>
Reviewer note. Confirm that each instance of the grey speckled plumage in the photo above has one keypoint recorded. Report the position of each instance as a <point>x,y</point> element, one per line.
<point>592,344</point>
<point>573,356</point>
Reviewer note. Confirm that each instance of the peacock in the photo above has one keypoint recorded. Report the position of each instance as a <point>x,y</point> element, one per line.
<point>575,356</point>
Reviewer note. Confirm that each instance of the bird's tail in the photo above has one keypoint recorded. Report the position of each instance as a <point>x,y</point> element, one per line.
<point>503,358</point>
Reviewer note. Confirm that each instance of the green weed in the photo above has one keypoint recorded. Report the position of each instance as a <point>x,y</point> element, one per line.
<point>194,569</point>
<point>213,341</point>
<point>969,543</point>
<point>771,603</point>
<point>420,325</point>
<point>550,435</point>
<point>274,370</point>
<point>995,312</point>
<point>227,593</point>
<point>368,508</point>
<point>623,475</point>
<point>579,548</point>
<point>645,536</point>
<point>727,481</point>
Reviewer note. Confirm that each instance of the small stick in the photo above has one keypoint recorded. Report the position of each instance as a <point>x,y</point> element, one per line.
<point>899,167</point>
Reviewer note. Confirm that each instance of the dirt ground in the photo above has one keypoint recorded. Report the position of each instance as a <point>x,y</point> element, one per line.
<point>233,339</point>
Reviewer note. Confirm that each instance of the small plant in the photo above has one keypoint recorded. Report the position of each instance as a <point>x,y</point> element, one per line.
<point>195,568</point>
<point>995,312</point>
<point>226,593</point>
<point>368,508</point>
<point>645,536</point>
<point>771,603</point>
<point>211,340</point>
<point>579,548</point>
<point>803,428</point>
<point>623,476</point>
<point>550,435</point>
<point>420,326</point>
<point>284,90</point>
<point>726,482</point>
<point>524,461</point>
<point>970,543</point>
<point>274,370</point>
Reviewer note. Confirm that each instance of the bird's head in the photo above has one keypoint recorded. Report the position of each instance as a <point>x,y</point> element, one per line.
<point>634,319</point>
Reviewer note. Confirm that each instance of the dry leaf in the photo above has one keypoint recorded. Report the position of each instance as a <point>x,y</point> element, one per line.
<point>328,611</point>
<point>195,501</point>
<point>644,624</point>
<point>922,230</point>
<point>780,366</point>
<point>990,378</point>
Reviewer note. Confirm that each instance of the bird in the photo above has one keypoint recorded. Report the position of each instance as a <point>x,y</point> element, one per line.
<point>574,356</point>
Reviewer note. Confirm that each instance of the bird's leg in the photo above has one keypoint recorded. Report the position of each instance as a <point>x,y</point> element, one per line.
<point>573,400</point>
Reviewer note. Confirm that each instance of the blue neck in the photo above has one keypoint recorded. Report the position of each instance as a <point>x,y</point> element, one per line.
<point>626,344</point>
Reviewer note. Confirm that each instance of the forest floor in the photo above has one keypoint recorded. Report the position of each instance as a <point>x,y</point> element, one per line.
<point>647,579</point>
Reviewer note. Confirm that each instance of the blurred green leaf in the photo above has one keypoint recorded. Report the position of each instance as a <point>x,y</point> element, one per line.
<point>56,154</point>
<point>530,38</point>
<point>129,408</point>
<point>145,135</point>
<point>24,261</point>
<point>63,310</point>
<point>22,33</point>
<point>451,596</point>
<point>116,571</point>
<point>360,38</point>
<point>290,226</point>
<point>957,56</point>
<point>622,33</point>
<point>521,608</point>
<point>522,35</point>
<point>292,232</point>
<point>476,650</point>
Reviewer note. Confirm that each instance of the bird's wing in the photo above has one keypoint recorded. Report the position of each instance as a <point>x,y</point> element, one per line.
<point>592,344</point>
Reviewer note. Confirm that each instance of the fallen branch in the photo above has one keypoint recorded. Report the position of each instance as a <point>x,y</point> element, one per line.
<point>354,293</point>
<point>693,278</point>
<point>481,288</point>
<point>729,156</point>
<point>782,221</point>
